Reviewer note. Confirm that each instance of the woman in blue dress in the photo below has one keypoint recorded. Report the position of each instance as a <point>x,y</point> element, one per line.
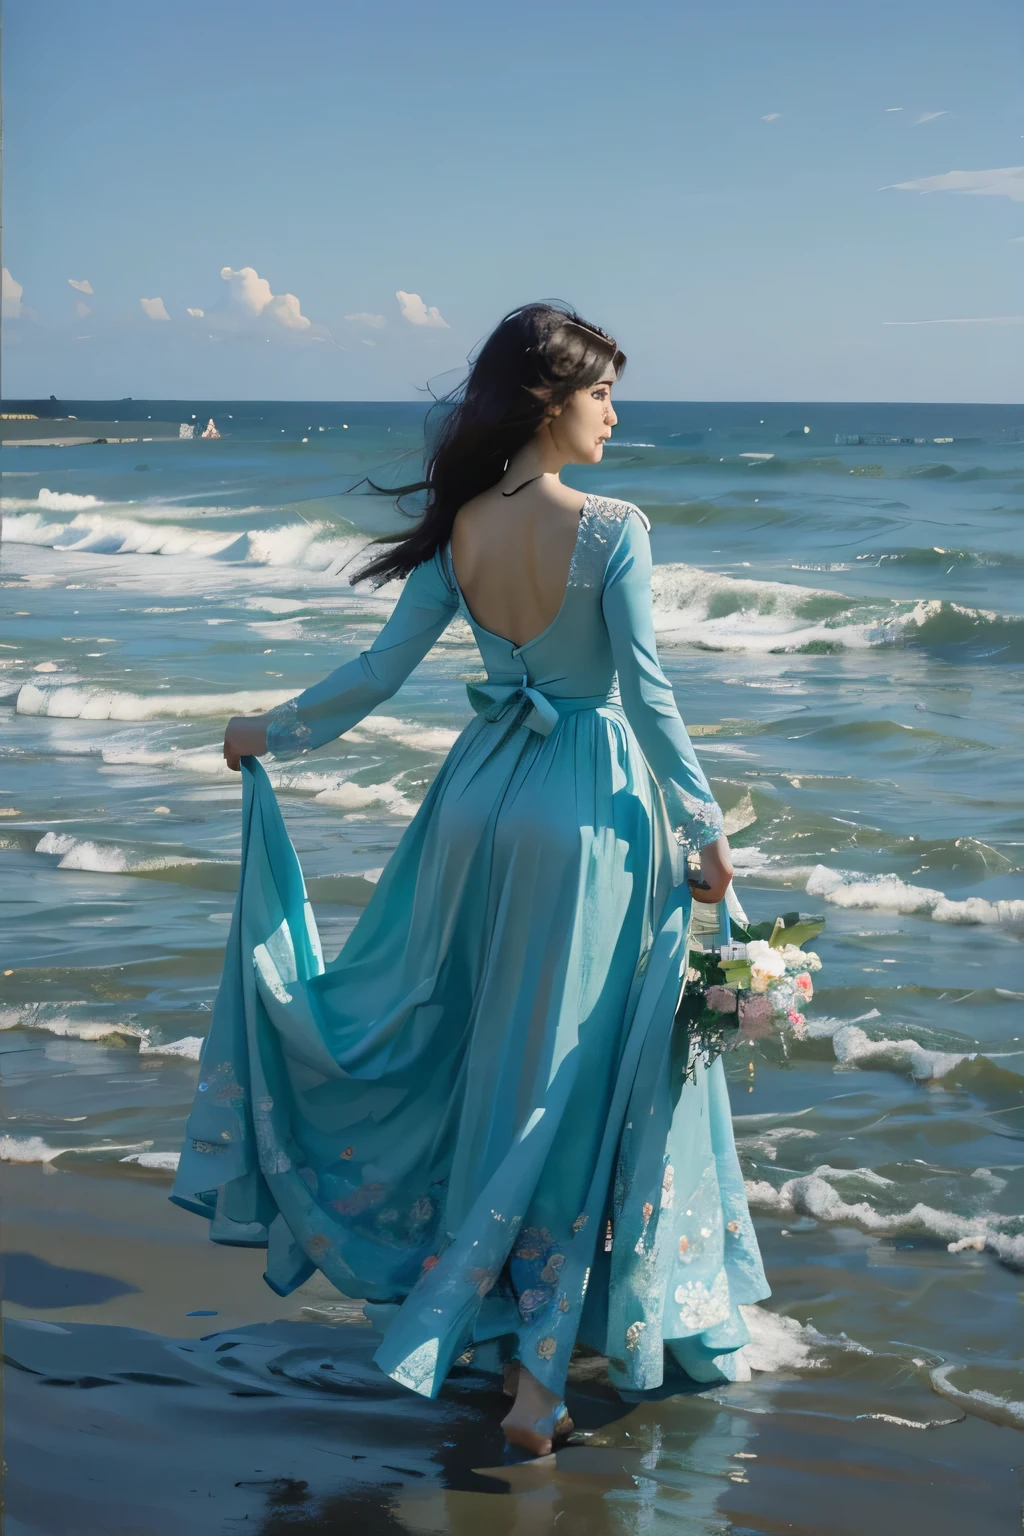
<point>482,1116</point>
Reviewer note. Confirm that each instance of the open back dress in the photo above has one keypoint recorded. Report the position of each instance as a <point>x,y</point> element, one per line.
<point>481,1114</point>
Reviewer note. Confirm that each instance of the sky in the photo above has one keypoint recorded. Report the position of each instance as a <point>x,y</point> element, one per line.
<point>338,200</point>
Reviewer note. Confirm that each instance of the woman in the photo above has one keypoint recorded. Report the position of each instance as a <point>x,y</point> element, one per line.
<point>480,1116</point>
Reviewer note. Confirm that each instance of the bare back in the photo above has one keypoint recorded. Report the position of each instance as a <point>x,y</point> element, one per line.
<point>512,555</point>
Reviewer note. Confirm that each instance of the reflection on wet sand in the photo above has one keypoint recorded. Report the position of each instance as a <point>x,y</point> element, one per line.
<point>286,1425</point>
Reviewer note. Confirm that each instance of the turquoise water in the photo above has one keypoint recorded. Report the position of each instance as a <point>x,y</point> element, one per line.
<point>843,626</point>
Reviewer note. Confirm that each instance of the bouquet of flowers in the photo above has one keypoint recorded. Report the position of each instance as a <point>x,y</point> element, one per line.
<point>759,972</point>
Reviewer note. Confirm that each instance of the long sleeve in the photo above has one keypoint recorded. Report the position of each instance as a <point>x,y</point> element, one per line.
<point>337,703</point>
<point>647,694</point>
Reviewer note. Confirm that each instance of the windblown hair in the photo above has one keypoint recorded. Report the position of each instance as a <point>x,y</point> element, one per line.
<point>534,360</point>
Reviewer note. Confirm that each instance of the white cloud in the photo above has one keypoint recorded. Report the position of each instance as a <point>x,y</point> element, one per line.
<point>82,284</point>
<point>155,309</point>
<point>1017,240</point>
<point>375,322</point>
<point>82,309</point>
<point>771,117</point>
<point>894,109</point>
<point>12,292</point>
<point>1008,181</point>
<point>929,117</point>
<point>249,298</point>
<point>972,320</point>
<point>367,342</point>
<point>416,312</point>
<point>197,314</point>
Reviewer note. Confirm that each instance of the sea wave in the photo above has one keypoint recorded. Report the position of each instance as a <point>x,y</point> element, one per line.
<point>104,858</point>
<point>712,610</point>
<point>855,891</point>
<point>857,462</point>
<point>82,702</point>
<point>320,546</point>
<point>165,1162</point>
<point>813,1195</point>
<point>33,1149</point>
<point>720,612</point>
<point>53,1019</point>
<point>329,788</point>
<point>888,893</point>
<point>854,1048</point>
<point>996,1407</point>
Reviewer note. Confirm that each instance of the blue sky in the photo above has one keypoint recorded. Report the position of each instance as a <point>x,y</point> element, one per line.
<point>703,180</point>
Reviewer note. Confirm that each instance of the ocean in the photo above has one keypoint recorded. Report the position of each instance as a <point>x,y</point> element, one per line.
<point>839,608</point>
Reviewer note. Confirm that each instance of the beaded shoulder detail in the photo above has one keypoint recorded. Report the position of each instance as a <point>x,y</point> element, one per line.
<point>601,523</point>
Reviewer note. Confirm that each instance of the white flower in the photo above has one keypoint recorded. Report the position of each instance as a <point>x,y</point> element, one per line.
<point>792,954</point>
<point>761,954</point>
<point>766,965</point>
<point>797,959</point>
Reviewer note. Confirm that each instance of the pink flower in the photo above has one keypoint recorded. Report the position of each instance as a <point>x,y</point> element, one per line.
<point>805,985</point>
<point>795,1018</point>
<point>721,999</point>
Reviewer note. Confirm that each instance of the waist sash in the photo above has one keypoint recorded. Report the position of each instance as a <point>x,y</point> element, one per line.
<point>530,706</point>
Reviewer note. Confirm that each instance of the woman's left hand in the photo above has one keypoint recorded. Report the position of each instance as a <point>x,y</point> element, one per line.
<point>246,736</point>
<point>715,872</point>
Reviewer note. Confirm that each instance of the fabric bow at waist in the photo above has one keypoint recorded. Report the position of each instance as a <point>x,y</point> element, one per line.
<point>528,706</point>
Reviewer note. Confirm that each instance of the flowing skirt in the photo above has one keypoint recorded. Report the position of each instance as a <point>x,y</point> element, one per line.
<point>480,1112</point>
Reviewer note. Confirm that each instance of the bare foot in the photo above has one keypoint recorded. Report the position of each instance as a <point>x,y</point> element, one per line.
<point>510,1385</point>
<point>537,1419</point>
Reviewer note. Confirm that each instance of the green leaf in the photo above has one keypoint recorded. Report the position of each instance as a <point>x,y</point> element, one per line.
<point>794,929</point>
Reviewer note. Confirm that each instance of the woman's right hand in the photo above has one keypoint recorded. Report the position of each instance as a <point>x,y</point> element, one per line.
<point>246,736</point>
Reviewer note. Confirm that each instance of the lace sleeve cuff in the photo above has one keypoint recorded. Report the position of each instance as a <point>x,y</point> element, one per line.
<point>287,735</point>
<point>696,822</point>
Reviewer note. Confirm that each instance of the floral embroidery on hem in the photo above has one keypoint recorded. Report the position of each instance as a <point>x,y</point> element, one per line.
<point>633,1333</point>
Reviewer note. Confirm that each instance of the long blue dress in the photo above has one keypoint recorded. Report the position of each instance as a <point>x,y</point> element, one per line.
<point>480,1112</point>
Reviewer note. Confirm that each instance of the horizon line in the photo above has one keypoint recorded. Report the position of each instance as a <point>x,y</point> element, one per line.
<point>20,400</point>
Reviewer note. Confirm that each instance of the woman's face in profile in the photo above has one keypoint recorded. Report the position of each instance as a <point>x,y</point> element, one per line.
<point>583,425</point>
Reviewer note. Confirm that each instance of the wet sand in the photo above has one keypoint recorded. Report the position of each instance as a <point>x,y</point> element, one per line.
<point>126,1417</point>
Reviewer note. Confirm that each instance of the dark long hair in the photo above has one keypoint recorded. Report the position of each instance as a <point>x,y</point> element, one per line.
<point>534,359</point>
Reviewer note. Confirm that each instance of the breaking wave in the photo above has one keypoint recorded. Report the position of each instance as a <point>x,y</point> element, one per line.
<point>320,546</point>
<point>719,612</point>
<point>855,891</point>
<point>82,702</point>
<point>693,606</point>
<point>813,1195</point>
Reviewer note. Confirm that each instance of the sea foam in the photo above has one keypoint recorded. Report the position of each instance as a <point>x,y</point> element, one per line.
<point>53,1020</point>
<point>813,1195</point>
<point>85,703</point>
<point>713,610</point>
<point>33,1149</point>
<point>858,892</point>
<point>165,1161</point>
<point>307,546</point>
<point>105,858</point>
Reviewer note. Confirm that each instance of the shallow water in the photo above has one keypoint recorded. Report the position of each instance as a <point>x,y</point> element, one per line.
<point>843,628</point>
